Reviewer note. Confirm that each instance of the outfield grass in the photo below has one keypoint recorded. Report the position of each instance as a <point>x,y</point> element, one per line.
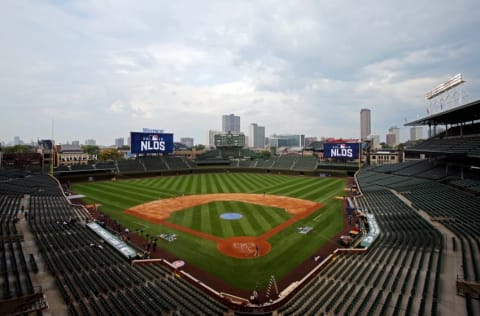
<point>289,248</point>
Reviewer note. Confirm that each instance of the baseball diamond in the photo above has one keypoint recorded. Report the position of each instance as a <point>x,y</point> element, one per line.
<point>239,247</point>
<point>189,206</point>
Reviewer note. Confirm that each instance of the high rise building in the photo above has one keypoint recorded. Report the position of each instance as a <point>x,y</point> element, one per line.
<point>211,138</point>
<point>119,142</point>
<point>416,133</point>
<point>291,140</point>
<point>90,142</point>
<point>256,136</point>
<point>365,124</point>
<point>187,141</point>
<point>76,142</point>
<point>375,142</point>
<point>310,140</point>
<point>231,123</point>
<point>391,140</point>
<point>17,140</point>
<point>396,139</point>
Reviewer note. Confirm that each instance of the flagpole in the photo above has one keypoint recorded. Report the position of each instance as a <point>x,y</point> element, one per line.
<point>359,153</point>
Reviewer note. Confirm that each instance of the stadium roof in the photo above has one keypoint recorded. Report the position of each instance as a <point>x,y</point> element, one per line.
<point>460,114</point>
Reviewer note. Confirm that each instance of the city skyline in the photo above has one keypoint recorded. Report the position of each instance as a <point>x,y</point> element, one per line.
<point>99,71</point>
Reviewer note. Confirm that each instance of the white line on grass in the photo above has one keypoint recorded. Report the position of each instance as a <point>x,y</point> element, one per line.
<point>140,224</point>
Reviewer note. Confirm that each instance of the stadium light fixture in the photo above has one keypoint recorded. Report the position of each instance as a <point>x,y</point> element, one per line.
<point>447,85</point>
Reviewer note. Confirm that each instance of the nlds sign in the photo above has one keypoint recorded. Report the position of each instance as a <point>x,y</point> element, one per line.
<point>149,143</point>
<point>341,150</point>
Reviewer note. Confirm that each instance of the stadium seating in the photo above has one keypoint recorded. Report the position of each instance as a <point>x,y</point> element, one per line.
<point>457,210</point>
<point>177,163</point>
<point>109,165</point>
<point>265,164</point>
<point>400,273</point>
<point>402,264</point>
<point>131,166</point>
<point>450,145</point>
<point>284,162</point>
<point>305,163</point>
<point>92,277</point>
<point>154,163</point>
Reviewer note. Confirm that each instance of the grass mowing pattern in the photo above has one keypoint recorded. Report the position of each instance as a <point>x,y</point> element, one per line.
<point>256,219</point>
<point>289,248</point>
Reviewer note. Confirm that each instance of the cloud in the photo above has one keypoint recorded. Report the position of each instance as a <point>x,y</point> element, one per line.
<point>304,67</point>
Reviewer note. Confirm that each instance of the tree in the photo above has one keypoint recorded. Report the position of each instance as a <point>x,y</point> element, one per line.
<point>199,147</point>
<point>20,149</point>
<point>91,149</point>
<point>110,154</point>
<point>266,154</point>
<point>384,145</point>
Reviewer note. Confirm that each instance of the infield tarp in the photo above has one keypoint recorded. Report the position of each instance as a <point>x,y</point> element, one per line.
<point>113,240</point>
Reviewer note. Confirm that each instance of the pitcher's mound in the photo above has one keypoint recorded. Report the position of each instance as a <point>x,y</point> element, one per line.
<point>244,247</point>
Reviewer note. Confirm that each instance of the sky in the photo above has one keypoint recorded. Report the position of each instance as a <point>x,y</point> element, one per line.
<point>93,69</point>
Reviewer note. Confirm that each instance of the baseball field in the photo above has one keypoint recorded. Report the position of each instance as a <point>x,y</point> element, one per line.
<point>239,227</point>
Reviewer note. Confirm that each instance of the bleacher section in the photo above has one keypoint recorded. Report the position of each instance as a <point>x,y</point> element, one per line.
<point>306,163</point>
<point>171,164</point>
<point>246,163</point>
<point>154,163</point>
<point>298,163</point>
<point>284,162</point>
<point>108,165</point>
<point>265,164</point>
<point>130,166</point>
<point>177,163</point>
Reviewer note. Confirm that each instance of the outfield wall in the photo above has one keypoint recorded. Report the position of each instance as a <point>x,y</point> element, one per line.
<point>86,176</point>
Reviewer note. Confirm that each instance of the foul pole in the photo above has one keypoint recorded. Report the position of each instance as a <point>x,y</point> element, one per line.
<point>52,152</point>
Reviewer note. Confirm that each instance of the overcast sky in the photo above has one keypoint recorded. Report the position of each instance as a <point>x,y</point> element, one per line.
<point>100,69</point>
